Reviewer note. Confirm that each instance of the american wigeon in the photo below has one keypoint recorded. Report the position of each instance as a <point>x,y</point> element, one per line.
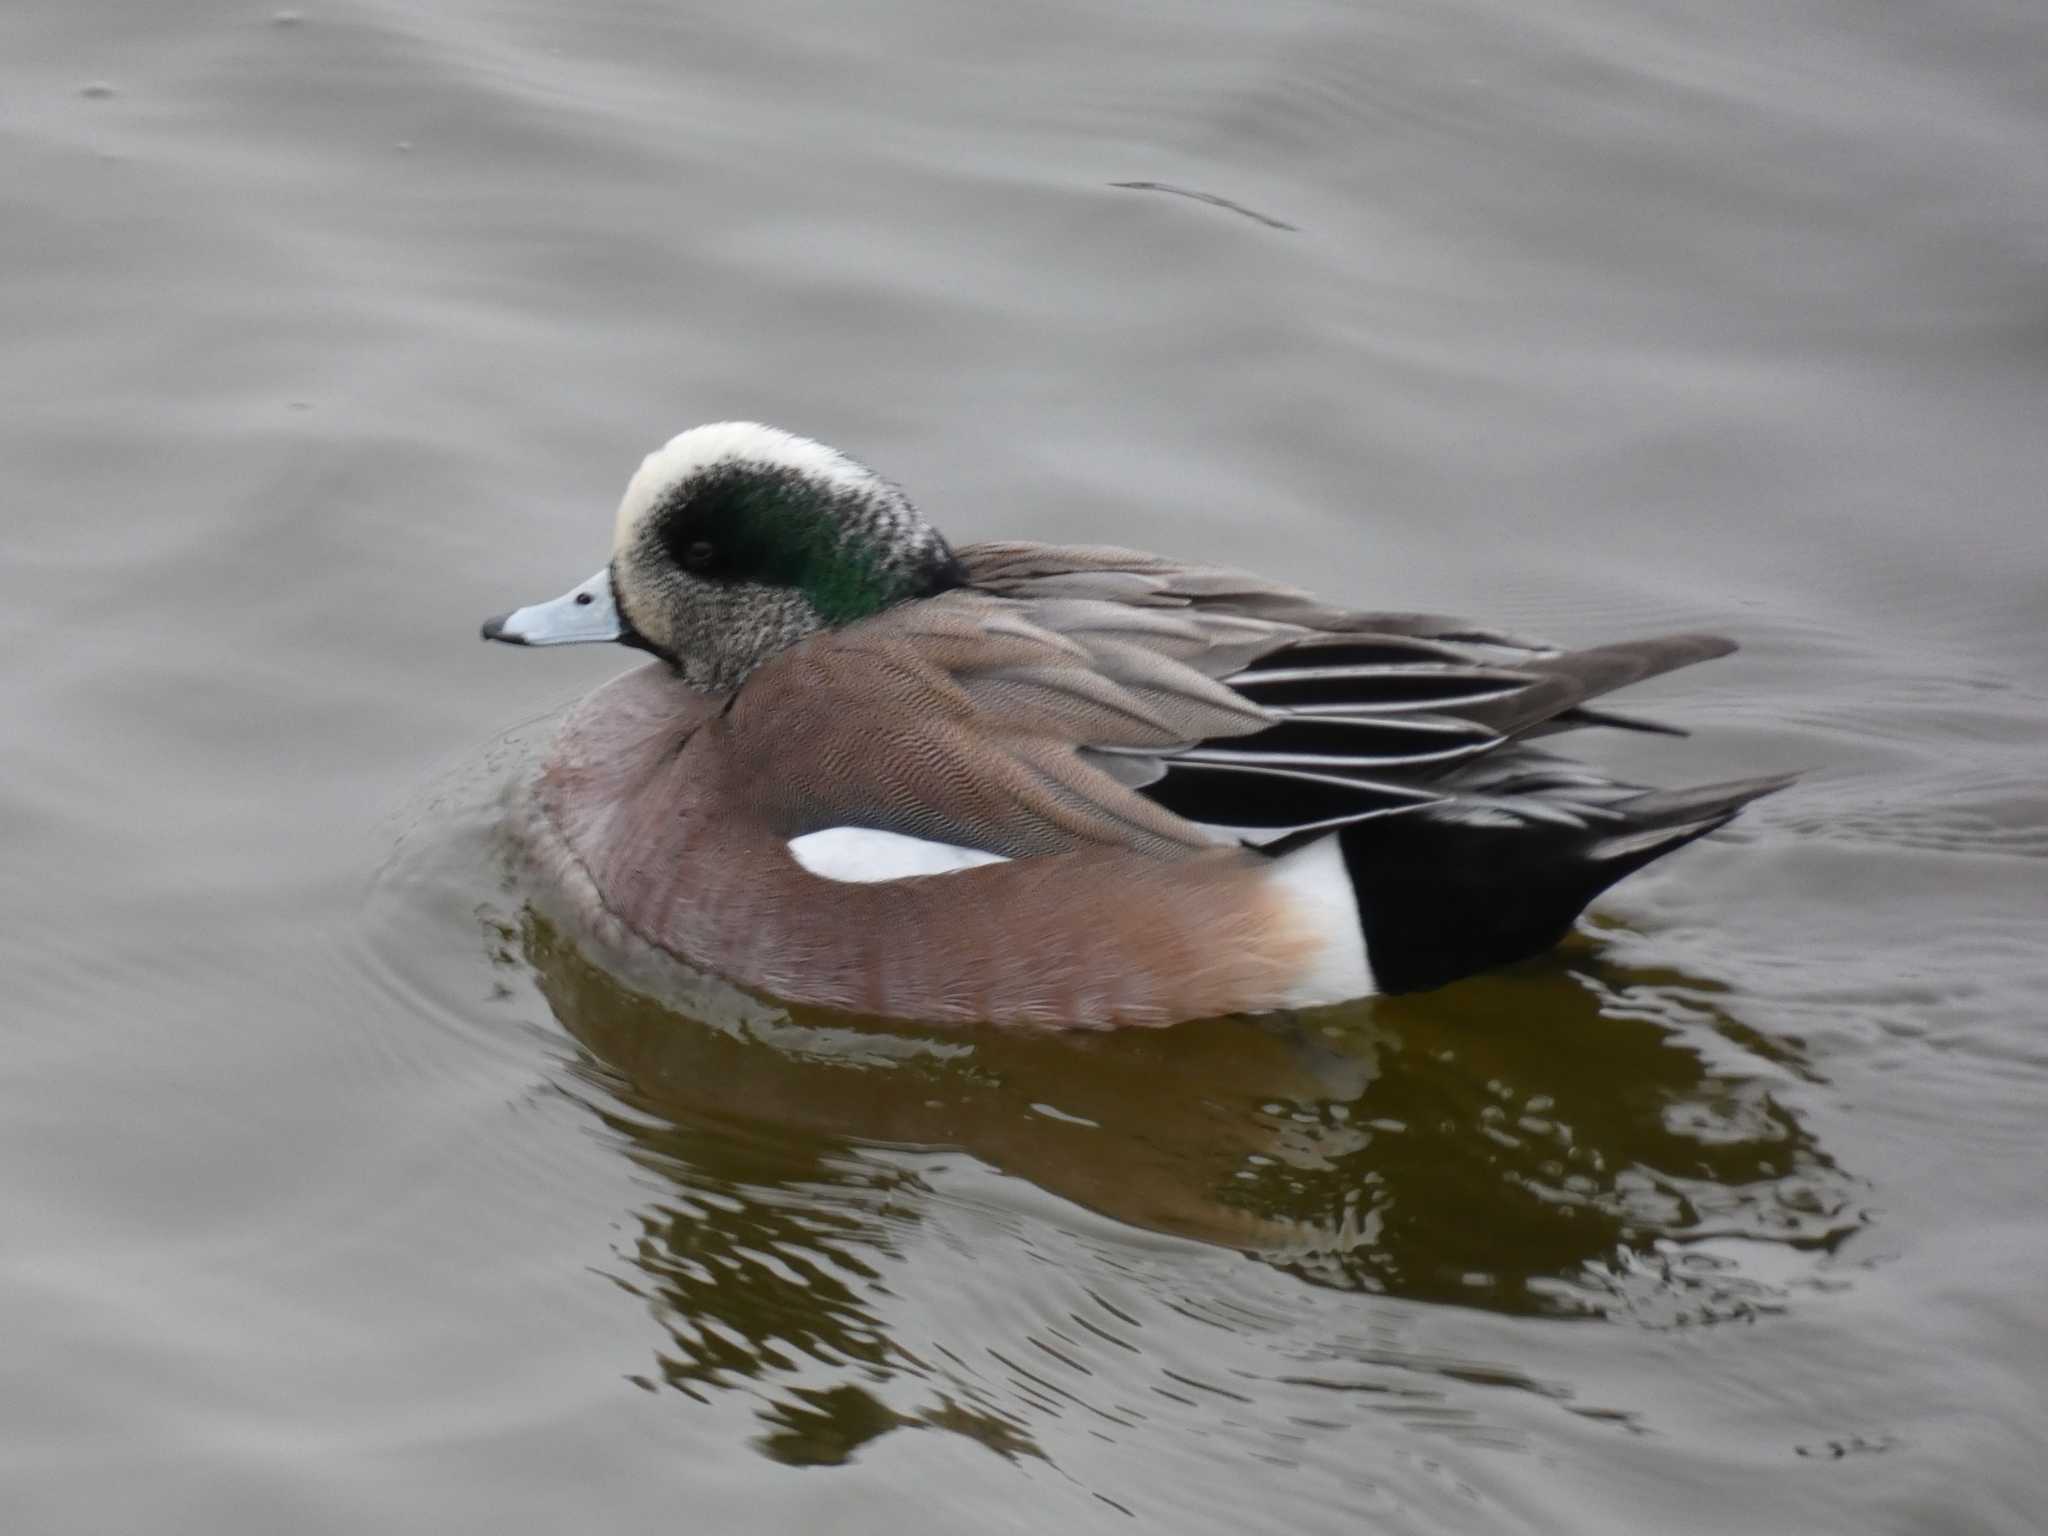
<point>1062,785</point>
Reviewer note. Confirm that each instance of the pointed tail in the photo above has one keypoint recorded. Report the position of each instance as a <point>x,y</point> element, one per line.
<point>1446,891</point>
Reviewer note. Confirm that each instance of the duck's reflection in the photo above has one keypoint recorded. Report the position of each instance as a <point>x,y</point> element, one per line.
<point>1555,1140</point>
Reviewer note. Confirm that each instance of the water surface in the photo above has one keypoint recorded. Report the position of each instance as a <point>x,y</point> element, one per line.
<point>344,1189</point>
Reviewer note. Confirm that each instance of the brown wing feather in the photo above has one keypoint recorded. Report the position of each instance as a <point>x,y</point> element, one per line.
<point>955,720</point>
<point>1081,697</point>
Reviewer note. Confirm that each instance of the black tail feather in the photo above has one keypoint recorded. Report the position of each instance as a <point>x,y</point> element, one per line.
<point>1614,720</point>
<point>1444,893</point>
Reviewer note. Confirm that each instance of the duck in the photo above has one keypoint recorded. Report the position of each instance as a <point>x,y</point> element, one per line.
<point>865,771</point>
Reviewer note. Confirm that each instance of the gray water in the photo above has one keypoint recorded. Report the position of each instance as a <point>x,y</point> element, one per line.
<point>340,1192</point>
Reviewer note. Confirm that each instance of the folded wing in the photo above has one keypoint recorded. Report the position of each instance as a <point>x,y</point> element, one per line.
<point>1075,697</point>
<point>1359,714</point>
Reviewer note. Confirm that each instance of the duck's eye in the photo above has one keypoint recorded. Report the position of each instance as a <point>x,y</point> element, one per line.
<point>700,556</point>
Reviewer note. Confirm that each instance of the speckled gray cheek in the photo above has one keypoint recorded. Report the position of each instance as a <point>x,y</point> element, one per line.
<point>643,586</point>
<point>713,632</point>
<point>723,631</point>
<point>714,635</point>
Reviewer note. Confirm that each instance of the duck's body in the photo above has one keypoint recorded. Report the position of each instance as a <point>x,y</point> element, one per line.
<point>1074,786</point>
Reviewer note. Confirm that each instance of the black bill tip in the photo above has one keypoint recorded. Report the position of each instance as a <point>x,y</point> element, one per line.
<point>494,629</point>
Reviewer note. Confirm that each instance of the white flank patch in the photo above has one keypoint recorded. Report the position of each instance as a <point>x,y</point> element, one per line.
<point>1316,882</point>
<point>721,442</point>
<point>862,854</point>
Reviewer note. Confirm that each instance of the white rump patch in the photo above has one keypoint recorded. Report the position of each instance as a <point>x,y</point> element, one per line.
<point>1317,883</point>
<point>862,854</point>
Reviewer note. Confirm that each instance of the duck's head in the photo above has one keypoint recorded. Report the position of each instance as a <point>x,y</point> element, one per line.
<point>733,542</point>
